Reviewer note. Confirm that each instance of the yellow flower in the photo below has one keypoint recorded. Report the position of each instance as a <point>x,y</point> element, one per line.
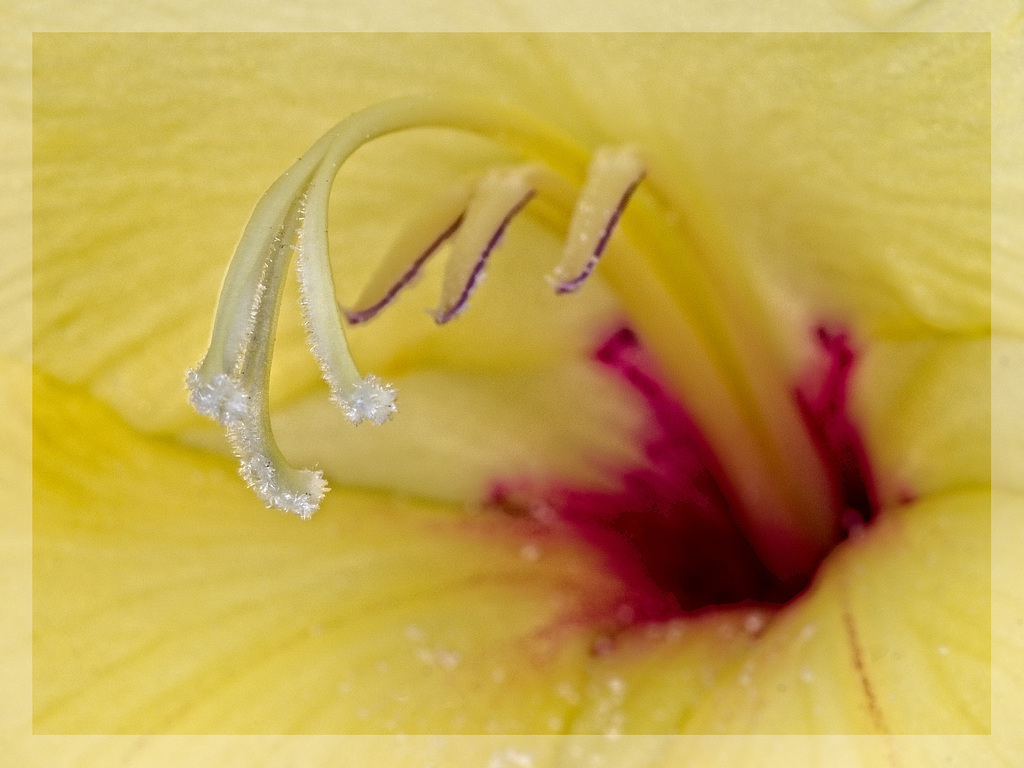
<point>851,178</point>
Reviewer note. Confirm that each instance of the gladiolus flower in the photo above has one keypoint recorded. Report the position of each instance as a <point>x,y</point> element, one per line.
<point>736,481</point>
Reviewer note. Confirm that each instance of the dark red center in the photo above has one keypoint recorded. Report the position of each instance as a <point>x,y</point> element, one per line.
<point>670,533</point>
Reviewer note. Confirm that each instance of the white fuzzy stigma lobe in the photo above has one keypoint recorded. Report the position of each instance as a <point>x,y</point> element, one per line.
<point>369,400</point>
<point>263,478</point>
<point>219,398</point>
<point>276,485</point>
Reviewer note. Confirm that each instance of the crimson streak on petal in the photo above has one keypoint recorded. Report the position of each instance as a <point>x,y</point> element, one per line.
<point>824,406</point>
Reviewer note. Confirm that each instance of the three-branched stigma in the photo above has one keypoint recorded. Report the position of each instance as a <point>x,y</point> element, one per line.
<point>231,383</point>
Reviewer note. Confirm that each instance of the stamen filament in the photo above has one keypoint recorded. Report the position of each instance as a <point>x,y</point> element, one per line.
<point>416,245</point>
<point>689,362</point>
<point>613,176</point>
<point>231,332</point>
<point>707,283</point>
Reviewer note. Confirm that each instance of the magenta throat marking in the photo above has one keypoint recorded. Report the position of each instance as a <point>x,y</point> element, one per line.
<point>670,535</point>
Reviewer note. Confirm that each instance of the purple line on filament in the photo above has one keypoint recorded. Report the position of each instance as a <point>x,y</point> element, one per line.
<point>444,316</point>
<point>568,286</point>
<point>354,317</point>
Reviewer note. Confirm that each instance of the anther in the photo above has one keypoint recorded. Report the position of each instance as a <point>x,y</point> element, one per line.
<point>475,216</point>
<point>613,176</point>
<point>500,195</point>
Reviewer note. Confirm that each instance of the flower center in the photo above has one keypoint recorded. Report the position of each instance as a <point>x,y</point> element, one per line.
<point>766,453</point>
<point>671,532</point>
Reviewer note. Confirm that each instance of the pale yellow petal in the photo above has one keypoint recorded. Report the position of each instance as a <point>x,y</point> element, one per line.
<point>852,172</point>
<point>893,638</point>
<point>15,557</point>
<point>926,407</point>
<point>168,600</point>
<point>203,612</point>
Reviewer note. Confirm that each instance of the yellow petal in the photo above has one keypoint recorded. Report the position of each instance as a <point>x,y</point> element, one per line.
<point>15,555</point>
<point>938,305</point>
<point>893,638</point>
<point>168,606</point>
<point>926,407</point>
<point>164,593</point>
